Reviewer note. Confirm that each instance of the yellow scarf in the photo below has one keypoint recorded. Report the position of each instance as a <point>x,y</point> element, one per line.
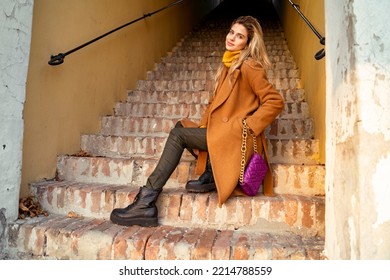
<point>229,56</point>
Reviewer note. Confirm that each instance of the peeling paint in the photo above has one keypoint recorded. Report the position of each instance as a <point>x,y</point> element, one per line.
<point>15,31</point>
<point>381,189</point>
<point>374,88</point>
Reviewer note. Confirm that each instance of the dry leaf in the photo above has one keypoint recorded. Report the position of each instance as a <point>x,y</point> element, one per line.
<point>30,207</point>
<point>72,214</point>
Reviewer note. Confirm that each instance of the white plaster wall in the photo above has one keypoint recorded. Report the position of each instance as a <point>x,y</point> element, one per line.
<point>15,34</point>
<point>358,129</point>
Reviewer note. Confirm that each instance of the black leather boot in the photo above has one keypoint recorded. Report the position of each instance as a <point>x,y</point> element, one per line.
<point>205,183</point>
<point>142,211</point>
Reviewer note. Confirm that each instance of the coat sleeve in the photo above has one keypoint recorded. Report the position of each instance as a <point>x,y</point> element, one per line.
<point>271,102</point>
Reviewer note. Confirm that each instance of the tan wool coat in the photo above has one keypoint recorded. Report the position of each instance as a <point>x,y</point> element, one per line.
<point>248,95</point>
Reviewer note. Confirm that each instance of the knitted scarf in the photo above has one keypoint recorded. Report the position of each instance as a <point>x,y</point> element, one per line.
<point>229,56</point>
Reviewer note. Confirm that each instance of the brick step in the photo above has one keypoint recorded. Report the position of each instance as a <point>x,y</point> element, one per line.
<point>169,109</point>
<point>275,56</point>
<point>60,238</point>
<point>303,215</point>
<point>294,151</point>
<point>209,74</point>
<point>170,64</point>
<point>204,39</point>
<point>169,85</point>
<point>219,32</point>
<point>289,178</point>
<point>131,126</point>
<point>200,97</point>
<point>216,50</point>
<point>206,84</point>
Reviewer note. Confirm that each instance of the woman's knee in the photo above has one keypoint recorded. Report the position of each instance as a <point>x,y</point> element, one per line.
<point>178,124</point>
<point>175,134</point>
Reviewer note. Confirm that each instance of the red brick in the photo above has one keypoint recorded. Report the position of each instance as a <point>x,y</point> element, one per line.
<point>231,208</point>
<point>95,200</point>
<point>306,207</point>
<point>276,209</point>
<point>167,248</point>
<point>244,205</point>
<point>174,206</point>
<point>87,225</point>
<point>262,246</point>
<point>182,172</point>
<point>137,243</point>
<point>152,248</point>
<point>120,245</point>
<point>241,247</point>
<point>291,210</point>
<point>213,207</point>
<point>184,248</point>
<point>49,195</point>
<point>221,248</point>
<point>200,207</point>
<point>186,206</point>
<point>203,248</point>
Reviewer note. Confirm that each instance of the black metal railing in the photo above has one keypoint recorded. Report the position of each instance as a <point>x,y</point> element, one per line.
<point>321,53</point>
<point>59,58</point>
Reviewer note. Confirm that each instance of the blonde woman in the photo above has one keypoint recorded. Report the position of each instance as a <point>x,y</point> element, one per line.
<point>242,91</point>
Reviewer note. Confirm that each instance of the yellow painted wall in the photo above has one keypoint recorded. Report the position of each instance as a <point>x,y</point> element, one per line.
<point>63,102</point>
<point>304,44</point>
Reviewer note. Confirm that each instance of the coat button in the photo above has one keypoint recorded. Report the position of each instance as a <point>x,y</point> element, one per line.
<point>225,119</point>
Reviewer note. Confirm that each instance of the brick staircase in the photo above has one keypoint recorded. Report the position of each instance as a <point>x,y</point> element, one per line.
<point>115,162</point>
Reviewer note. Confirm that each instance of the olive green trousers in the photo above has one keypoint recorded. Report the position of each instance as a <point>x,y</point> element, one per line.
<point>179,138</point>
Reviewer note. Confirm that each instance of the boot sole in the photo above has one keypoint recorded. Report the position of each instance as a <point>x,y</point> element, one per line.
<point>201,189</point>
<point>143,222</point>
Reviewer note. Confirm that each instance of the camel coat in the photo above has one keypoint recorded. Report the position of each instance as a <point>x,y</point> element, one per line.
<point>248,95</point>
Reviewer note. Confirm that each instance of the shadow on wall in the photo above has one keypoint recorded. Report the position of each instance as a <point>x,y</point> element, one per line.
<point>3,223</point>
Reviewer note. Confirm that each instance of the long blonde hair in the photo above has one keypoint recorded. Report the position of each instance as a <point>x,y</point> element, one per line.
<point>255,48</point>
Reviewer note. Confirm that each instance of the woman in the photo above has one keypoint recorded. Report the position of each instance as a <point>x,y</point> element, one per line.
<point>242,91</point>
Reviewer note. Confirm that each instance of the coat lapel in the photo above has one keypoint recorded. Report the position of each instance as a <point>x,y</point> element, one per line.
<point>225,89</point>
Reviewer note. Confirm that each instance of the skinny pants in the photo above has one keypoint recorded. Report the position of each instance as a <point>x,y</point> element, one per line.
<point>179,138</point>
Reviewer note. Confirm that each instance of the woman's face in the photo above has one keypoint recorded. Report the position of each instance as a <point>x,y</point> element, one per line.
<point>237,38</point>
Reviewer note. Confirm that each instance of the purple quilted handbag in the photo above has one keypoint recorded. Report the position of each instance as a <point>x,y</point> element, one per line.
<point>254,174</point>
<point>255,170</point>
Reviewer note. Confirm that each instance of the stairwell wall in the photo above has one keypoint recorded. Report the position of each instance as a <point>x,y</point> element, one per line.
<point>358,142</point>
<point>65,101</point>
<point>304,44</point>
<point>15,34</point>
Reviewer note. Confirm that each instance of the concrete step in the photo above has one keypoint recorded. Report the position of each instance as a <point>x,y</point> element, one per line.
<point>289,178</point>
<point>303,215</point>
<point>59,237</point>
<point>145,126</point>
<point>295,151</point>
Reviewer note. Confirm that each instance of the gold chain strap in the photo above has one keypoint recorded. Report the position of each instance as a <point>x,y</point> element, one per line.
<point>243,148</point>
